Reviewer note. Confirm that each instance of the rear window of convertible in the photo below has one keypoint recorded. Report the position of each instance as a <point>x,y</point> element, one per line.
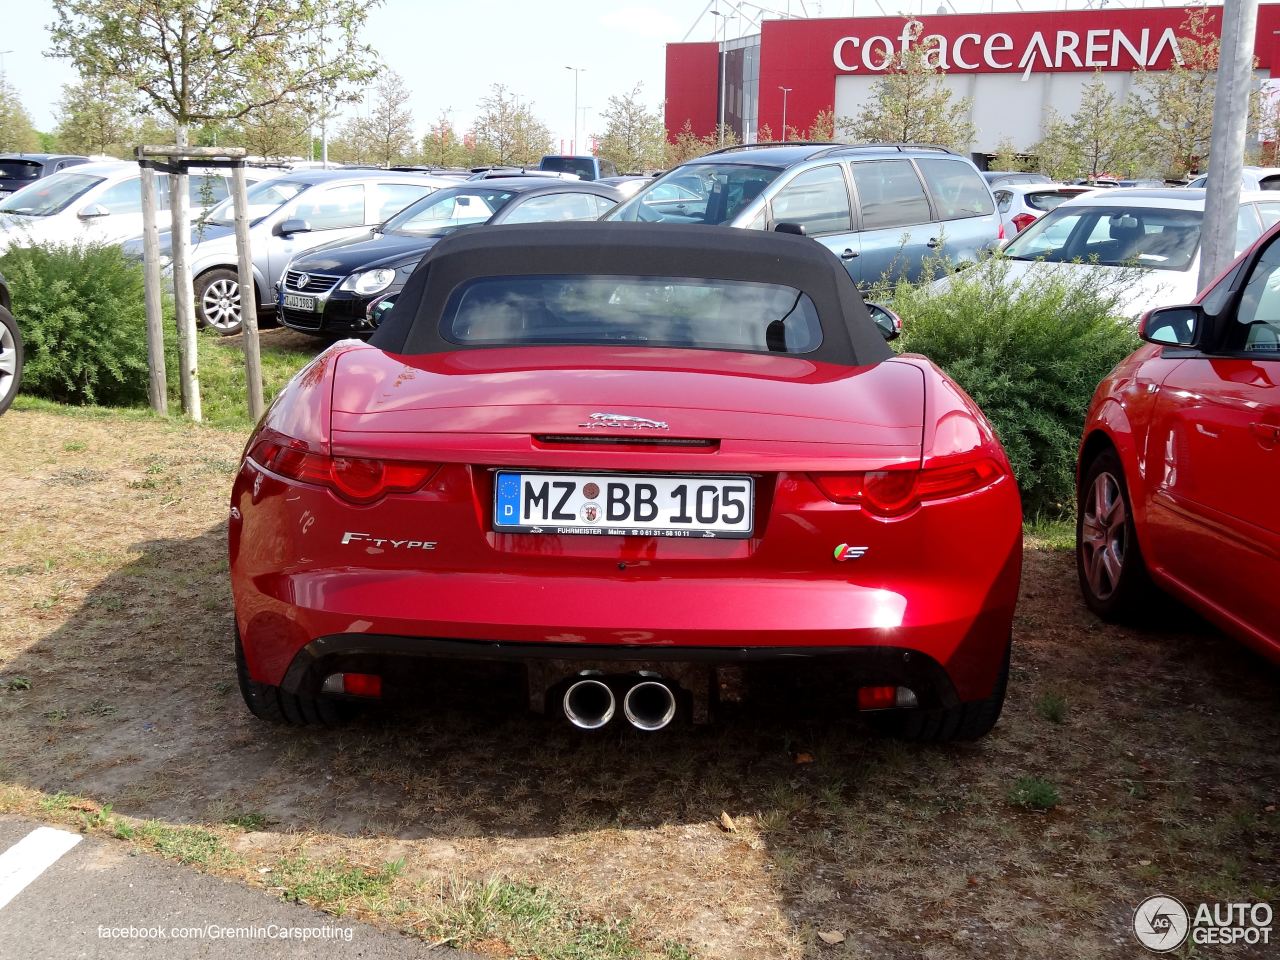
<point>701,313</point>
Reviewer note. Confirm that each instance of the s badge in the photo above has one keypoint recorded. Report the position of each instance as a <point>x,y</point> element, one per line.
<point>846,552</point>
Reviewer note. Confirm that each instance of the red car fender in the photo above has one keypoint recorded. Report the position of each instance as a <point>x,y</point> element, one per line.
<point>948,406</point>
<point>301,413</point>
<point>1120,415</point>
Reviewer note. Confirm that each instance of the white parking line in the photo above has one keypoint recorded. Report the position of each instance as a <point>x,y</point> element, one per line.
<point>31,856</point>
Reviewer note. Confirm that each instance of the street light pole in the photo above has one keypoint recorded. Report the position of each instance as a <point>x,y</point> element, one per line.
<point>576,71</point>
<point>724,61</point>
<point>1230,127</point>
<point>785,91</point>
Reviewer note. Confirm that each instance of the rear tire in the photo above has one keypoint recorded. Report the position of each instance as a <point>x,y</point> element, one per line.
<point>10,359</point>
<point>279,706</point>
<point>964,721</point>
<point>1109,562</point>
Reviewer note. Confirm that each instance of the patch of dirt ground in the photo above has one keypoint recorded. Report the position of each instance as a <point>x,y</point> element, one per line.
<point>117,687</point>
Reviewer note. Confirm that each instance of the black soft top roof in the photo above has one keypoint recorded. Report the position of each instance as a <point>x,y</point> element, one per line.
<point>849,337</point>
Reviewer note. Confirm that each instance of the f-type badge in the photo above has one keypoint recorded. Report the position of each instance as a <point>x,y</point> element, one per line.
<point>846,552</point>
<point>617,421</point>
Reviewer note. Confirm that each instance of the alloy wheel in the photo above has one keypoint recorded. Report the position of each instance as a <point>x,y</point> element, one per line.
<point>8,364</point>
<point>1104,535</point>
<point>221,304</point>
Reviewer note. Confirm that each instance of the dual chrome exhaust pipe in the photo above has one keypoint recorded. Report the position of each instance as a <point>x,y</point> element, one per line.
<point>649,704</point>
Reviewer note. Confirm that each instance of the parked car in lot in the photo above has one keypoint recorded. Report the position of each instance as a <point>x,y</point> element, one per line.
<point>288,215</point>
<point>1122,229</point>
<point>495,173</point>
<point>628,185</point>
<point>336,288</point>
<point>18,170</point>
<point>98,202</point>
<point>1251,178</point>
<point>1021,205</point>
<point>882,209</point>
<point>1180,461</point>
<point>1009,178</point>
<point>586,168</point>
<point>635,461</point>
<point>10,350</point>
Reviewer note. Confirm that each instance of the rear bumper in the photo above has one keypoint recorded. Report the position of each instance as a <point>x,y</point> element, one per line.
<point>943,588</point>
<point>839,667</point>
<point>296,626</point>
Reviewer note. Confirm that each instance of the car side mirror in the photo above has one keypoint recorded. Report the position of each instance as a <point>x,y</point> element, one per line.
<point>286,227</point>
<point>787,227</point>
<point>887,322</point>
<point>1173,326</point>
<point>93,211</point>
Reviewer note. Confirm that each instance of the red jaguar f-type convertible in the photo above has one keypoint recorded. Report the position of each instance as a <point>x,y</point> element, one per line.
<point>654,467</point>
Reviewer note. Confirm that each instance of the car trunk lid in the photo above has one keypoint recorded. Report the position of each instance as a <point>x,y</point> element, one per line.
<point>582,396</point>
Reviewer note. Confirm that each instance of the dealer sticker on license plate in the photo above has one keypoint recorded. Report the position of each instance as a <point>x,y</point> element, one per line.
<point>295,302</point>
<point>614,504</point>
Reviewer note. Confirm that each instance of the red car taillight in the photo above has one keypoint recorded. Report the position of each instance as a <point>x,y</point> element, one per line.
<point>891,493</point>
<point>357,479</point>
<point>1023,220</point>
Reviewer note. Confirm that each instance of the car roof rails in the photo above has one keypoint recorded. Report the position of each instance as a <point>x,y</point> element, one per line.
<point>830,148</point>
<point>773,143</point>
<point>900,147</point>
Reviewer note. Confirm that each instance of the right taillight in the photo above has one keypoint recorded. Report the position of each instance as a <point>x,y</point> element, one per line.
<point>892,493</point>
<point>359,480</point>
<point>1023,220</point>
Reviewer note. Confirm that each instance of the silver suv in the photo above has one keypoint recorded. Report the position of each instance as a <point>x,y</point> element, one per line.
<point>881,208</point>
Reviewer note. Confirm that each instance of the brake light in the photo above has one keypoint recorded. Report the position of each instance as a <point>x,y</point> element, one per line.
<point>1000,233</point>
<point>356,479</point>
<point>891,493</point>
<point>1023,220</point>
<point>953,480</point>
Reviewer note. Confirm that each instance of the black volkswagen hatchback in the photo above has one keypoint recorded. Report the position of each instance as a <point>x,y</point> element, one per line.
<point>339,289</point>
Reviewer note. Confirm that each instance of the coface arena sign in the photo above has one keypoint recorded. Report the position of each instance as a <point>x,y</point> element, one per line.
<point>1100,48</point>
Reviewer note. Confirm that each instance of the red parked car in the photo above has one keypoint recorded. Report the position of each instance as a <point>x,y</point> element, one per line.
<point>647,464</point>
<point>1179,473</point>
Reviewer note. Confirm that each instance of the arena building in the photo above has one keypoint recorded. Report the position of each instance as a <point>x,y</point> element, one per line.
<point>1015,66</point>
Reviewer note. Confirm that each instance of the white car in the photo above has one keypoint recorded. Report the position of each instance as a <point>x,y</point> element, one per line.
<point>1156,231</point>
<point>1022,204</point>
<point>98,203</point>
<point>1251,178</point>
<point>288,215</point>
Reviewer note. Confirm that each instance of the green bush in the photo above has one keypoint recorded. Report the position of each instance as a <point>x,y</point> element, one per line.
<point>83,319</point>
<point>1030,352</point>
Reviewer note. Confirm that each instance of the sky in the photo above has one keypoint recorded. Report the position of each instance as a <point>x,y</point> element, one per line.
<point>449,53</point>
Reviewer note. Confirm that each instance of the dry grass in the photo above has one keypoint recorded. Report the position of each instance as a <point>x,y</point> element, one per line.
<point>487,826</point>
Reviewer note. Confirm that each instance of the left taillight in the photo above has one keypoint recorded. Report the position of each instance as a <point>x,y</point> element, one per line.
<point>892,493</point>
<point>361,480</point>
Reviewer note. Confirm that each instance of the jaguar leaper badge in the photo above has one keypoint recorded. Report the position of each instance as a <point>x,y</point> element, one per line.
<point>618,421</point>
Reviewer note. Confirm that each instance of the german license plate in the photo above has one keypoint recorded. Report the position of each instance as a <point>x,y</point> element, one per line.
<point>611,504</point>
<point>295,302</point>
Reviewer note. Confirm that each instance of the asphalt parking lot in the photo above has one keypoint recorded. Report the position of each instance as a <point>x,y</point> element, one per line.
<point>64,896</point>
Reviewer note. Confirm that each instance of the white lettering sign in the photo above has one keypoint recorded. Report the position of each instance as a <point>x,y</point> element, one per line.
<point>1063,49</point>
